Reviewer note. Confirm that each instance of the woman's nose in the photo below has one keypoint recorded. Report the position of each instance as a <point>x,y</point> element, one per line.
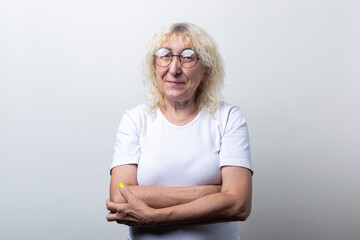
<point>175,66</point>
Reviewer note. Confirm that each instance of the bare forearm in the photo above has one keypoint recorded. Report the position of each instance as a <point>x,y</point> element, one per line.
<point>162,197</point>
<point>212,208</point>
<point>233,203</point>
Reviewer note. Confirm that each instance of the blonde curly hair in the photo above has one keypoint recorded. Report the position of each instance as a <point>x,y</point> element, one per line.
<point>208,94</point>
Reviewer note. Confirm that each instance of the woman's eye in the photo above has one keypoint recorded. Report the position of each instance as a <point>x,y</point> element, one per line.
<point>188,55</point>
<point>163,53</point>
<point>187,58</point>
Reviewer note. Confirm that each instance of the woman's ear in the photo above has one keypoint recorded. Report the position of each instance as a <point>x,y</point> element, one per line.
<point>206,74</point>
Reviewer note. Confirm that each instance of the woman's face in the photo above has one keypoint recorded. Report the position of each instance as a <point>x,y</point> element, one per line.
<point>176,83</point>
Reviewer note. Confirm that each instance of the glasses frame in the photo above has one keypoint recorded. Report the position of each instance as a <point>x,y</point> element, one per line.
<point>176,55</point>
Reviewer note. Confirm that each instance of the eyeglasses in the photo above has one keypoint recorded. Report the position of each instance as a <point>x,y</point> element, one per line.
<point>187,58</point>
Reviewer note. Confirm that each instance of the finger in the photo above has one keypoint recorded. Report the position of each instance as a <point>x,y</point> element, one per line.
<point>110,217</point>
<point>128,195</point>
<point>111,206</point>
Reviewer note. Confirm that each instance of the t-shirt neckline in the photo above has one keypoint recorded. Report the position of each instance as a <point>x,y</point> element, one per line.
<point>178,126</point>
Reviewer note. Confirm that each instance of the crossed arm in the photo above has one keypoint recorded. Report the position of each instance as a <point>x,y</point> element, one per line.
<point>156,206</point>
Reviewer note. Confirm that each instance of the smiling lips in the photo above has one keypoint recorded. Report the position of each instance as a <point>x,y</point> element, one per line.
<point>175,83</point>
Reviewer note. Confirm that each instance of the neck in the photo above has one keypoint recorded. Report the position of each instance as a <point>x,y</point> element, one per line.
<point>180,113</point>
<point>180,107</point>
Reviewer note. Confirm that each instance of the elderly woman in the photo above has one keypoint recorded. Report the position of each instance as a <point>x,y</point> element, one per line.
<point>181,167</point>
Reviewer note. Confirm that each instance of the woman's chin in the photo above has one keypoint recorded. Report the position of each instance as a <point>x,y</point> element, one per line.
<point>178,97</point>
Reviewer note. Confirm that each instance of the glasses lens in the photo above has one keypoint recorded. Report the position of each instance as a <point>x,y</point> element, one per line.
<point>163,57</point>
<point>188,58</point>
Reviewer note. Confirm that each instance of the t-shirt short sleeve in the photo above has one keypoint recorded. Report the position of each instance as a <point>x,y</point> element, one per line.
<point>127,148</point>
<point>235,144</point>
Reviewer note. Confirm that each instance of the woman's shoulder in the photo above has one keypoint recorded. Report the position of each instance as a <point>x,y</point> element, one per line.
<point>229,116</point>
<point>226,109</point>
<point>138,113</point>
<point>140,109</point>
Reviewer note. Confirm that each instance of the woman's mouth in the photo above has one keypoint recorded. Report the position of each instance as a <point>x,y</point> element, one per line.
<point>175,83</point>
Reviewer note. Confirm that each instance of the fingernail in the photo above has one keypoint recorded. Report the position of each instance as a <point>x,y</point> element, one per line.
<point>121,186</point>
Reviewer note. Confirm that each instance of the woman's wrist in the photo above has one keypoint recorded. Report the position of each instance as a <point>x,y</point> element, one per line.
<point>158,217</point>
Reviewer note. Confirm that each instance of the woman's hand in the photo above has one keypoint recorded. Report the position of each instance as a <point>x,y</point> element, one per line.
<point>132,213</point>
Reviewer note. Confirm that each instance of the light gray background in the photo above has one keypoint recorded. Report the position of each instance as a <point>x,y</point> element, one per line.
<point>68,70</point>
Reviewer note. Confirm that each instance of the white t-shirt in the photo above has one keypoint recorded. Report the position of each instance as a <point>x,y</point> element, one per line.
<point>170,155</point>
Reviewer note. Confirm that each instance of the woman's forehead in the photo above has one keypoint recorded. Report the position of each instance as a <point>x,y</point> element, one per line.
<point>177,41</point>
